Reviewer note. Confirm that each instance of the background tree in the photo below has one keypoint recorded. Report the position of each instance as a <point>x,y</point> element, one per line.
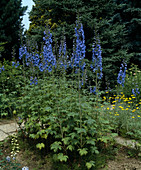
<point>130,16</point>
<point>10,24</point>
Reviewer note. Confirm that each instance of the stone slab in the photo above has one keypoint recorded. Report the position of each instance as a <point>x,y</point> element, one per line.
<point>3,135</point>
<point>8,128</point>
<point>126,142</point>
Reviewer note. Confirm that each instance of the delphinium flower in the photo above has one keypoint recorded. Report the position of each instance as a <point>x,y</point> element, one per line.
<point>25,55</point>
<point>49,59</point>
<point>2,68</point>
<point>63,54</point>
<point>15,64</point>
<point>97,58</point>
<point>135,91</point>
<point>93,90</point>
<point>78,55</point>
<point>79,49</point>
<point>33,80</point>
<point>122,74</point>
<point>36,59</point>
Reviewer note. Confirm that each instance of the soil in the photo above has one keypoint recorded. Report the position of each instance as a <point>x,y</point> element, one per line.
<point>122,161</point>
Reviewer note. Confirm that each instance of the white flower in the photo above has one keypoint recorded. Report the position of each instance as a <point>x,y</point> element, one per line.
<point>25,168</point>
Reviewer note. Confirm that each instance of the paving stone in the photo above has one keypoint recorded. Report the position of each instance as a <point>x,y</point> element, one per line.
<point>3,135</point>
<point>7,128</point>
<point>126,142</point>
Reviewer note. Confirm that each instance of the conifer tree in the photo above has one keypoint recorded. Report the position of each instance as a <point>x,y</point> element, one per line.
<point>130,16</point>
<point>10,22</point>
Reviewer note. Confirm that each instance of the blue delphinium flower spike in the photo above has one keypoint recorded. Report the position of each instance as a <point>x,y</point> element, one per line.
<point>122,74</point>
<point>97,58</point>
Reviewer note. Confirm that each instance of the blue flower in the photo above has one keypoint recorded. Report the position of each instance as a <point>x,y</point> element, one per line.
<point>122,74</point>
<point>62,54</point>
<point>49,59</point>
<point>13,63</point>
<point>97,58</point>
<point>14,158</point>
<point>2,68</point>
<point>137,91</point>
<point>33,80</point>
<point>79,50</point>
<point>93,90</point>
<point>8,158</point>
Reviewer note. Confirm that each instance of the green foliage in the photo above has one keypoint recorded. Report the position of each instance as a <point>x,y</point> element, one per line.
<point>55,108</point>
<point>132,81</point>
<point>124,115</point>
<point>6,164</point>
<point>11,81</point>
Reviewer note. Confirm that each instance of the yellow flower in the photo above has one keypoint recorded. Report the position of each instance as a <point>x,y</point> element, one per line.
<point>133,117</point>
<point>130,98</point>
<point>126,109</point>
<point>133,97</point>
<point>128,106</point>
<point>139,116</point>
<point>137,108</point>
<point>114,105</point>
<point>134,110</point>
<point>107,92</point>
<point>121,92</point>
<point>104,98</point>
<point>117,114</point>
<point>107,108</point>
